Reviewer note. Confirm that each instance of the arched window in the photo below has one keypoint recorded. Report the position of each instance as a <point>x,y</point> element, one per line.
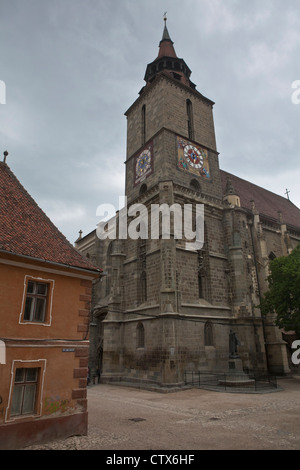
<point>143,188</point>
<point>143,287</point>
<point>108,268</point>
<point>208,334</point>
<point>190,122</point>
<point>143,124</point>
<point>140,336</point>
<point>195,185</point>
<point>200,285</point>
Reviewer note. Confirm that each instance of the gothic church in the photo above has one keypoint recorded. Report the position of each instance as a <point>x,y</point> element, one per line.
<point>163,309</point>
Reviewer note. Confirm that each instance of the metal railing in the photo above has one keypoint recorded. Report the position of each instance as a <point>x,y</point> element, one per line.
<point>252,380</point>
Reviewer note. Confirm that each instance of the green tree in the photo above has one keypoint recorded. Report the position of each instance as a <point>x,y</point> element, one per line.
<point>283,296</point>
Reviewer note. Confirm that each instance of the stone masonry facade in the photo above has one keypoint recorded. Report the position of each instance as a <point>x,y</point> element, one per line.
<point>163,309</point>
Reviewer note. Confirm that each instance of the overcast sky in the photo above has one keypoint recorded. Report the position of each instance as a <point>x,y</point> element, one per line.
<point>73,67</point>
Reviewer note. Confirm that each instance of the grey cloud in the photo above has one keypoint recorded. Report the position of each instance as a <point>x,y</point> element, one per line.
<point>72,68</point>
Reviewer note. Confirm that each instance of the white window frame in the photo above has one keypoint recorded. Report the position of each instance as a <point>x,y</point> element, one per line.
<point>2,352</point>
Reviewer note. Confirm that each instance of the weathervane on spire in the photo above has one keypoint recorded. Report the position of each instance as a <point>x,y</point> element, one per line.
<point>165,16</point>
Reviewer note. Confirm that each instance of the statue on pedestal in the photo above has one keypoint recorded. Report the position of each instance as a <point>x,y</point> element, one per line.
<point>233,344</point>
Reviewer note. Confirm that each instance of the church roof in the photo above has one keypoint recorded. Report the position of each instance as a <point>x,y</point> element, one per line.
<point>167,62</point>
<point>166,48</point>
<point>25,230</point>
<point>166,35</point>
<point>267,203</point>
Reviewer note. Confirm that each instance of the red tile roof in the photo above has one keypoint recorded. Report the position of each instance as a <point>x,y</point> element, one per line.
<point>26,230</point>
<point>268,204</point>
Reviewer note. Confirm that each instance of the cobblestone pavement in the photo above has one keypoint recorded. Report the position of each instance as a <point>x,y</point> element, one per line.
<point>126,418</point>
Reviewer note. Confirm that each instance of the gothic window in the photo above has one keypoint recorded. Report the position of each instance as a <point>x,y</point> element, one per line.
<point>203,272</point>
<point>140,336</point>
<point>141,257</point>
<point>200,285</point>
<point>143,124</point>
<point>108,268</point>
<point>190,123</point>
<point>143,287</point>
<point>208,334</point>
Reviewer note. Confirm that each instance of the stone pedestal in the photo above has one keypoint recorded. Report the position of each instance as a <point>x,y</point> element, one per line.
<point>235,376</point>
<point>235,365</point>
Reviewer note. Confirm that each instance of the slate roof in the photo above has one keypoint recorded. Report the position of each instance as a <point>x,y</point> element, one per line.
<point>267,203</point>
<point>26,230</point>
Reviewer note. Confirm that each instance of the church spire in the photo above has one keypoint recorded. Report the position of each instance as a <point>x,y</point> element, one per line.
<point>230,194</point>
<point>166,48</point>
<point>166,36</point>
<point>167,62</point>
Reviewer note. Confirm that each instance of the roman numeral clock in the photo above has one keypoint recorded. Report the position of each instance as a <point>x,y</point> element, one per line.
<point>143,164</point>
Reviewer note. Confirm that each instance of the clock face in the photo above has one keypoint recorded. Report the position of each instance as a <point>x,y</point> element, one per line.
<point>143,164</point>
<point>193,156</point>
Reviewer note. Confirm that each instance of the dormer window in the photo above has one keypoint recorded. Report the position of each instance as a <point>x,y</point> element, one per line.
<point>177,76</point>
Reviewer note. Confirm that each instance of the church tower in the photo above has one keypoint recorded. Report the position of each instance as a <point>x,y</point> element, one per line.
<point>170,130</point>
<point>166,307</point>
